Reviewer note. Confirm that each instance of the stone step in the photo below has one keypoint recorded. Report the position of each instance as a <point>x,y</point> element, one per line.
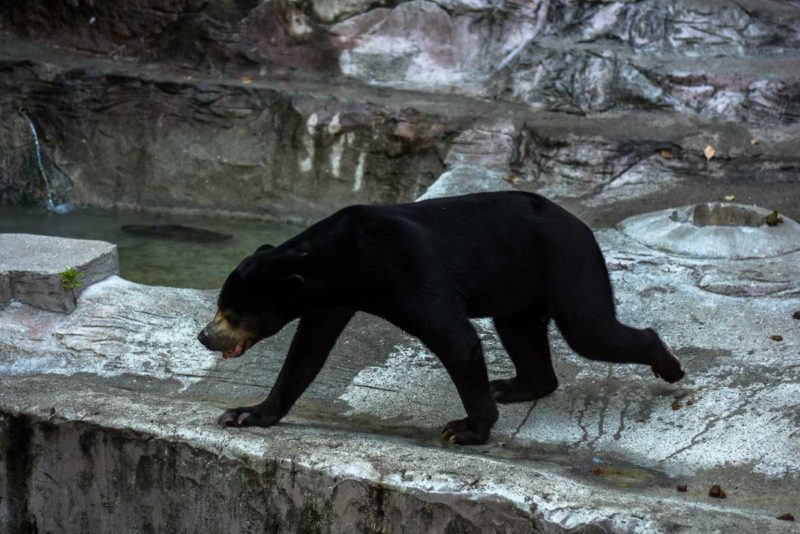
<point>35,269</point>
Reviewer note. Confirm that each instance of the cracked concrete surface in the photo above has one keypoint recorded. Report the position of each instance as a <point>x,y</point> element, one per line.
<point>606,450</point>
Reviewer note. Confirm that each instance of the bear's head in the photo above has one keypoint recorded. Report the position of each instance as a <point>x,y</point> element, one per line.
<point>256,301</point>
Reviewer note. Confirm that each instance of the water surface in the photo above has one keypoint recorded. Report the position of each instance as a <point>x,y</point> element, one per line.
<point>150,260</point>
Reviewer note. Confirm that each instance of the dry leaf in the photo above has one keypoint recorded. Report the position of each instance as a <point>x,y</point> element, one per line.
<point>776,338</point>
<point>729,198</point>
<point>246,79</point>
<point>717,492</point>
<point>666,154</point>
<point>709,152</point>
<point>676,405</point>
<point>774,218</point>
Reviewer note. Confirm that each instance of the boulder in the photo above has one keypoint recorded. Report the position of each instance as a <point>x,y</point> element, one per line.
<point>31,268</point>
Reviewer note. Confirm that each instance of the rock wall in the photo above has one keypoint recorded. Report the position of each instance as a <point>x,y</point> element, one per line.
<point>292,108</point>
<point>77,477</point>
<point>125,141</point>
<point>722,58</point>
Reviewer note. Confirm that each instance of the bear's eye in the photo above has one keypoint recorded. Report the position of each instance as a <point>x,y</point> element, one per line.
<point>232,320</point>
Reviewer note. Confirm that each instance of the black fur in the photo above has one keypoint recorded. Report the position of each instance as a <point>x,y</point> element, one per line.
<point>428,267</point>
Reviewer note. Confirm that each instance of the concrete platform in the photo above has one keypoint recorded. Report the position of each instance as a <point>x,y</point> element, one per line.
<point>109,420</point>
<point>31,267</point>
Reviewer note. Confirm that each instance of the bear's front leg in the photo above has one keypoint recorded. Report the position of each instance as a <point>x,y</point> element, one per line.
<point>466,366</point>
<point>249,416</point>
<point>452,338</point>
<point>315,337</point>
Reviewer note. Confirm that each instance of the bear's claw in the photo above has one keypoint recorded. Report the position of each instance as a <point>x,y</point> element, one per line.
<point>240,417</point>
<point>460,432</point>
<point>668,367</point>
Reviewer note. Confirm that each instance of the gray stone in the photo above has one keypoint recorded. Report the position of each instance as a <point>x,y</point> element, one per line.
<point>716,230</point>
<point>729,59</point>
<point>5,289</point>
<point>31,267</point>
<point>465,179</point>
<point>490,144</point>
<point>332,10</point>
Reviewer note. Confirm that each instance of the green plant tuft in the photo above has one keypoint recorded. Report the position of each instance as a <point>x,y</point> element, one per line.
<point>71,278</point>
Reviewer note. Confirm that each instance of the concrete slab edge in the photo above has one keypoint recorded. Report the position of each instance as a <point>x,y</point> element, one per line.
<point>292,477</point>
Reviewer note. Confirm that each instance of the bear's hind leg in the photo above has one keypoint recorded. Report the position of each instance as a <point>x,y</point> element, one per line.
<point>524,337</point>
<point>581,301</point>
<point>615,342</point>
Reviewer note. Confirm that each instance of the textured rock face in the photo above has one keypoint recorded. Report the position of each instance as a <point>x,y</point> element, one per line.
<point>233,148</point>
<point>735,60</point>
<point>254,107</point>
<point>227,34</point>
<point>464,179</point>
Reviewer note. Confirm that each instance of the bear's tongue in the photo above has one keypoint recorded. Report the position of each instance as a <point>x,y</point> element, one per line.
<point>235,352</point>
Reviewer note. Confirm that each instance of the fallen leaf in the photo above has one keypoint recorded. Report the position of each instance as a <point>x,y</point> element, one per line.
<point>709,152</point>
<point>676,405</point>
<point>666,154</point>
<point>716,492</point>
<point>786,517</point>
<point>774,218</point>
<point>246,79</point>
<point>796,315</point>
<point>776,338</point>
<point>512,179</point>
<point>729,198</point>
<point>682,488</point>
<point>598,471</point>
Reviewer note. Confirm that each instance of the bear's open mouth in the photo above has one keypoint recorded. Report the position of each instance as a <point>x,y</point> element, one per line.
<point>238,350</point>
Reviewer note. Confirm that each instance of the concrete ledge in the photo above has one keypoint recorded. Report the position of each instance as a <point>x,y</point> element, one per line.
<point>31,267</point>
<point>115,460</point>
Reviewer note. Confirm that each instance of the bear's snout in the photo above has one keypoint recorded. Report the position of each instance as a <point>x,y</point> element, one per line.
<point>202,337</point>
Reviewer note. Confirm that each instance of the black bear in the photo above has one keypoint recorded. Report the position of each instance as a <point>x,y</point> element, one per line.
<point>428,267</point>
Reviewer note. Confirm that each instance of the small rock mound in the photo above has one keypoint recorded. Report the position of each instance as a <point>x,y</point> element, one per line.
<point>714,230</point>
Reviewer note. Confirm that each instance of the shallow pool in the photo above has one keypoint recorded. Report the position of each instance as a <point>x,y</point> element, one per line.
<point>150,260</point>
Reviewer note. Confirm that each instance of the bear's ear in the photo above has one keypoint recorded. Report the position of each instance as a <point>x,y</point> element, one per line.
<point>294,283</point>
<point>263,248</point>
